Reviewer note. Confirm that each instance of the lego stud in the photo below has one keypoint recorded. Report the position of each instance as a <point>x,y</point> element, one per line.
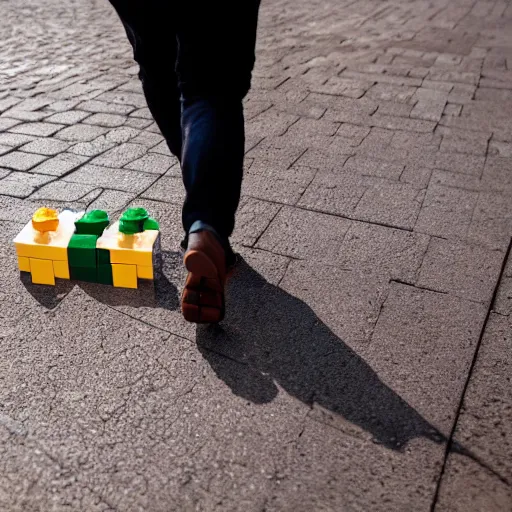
<point>92,223</point>
<point>132,221</point>
<point>45,219</point>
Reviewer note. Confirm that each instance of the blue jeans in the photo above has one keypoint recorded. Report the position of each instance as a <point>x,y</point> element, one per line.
<point>196,59</point>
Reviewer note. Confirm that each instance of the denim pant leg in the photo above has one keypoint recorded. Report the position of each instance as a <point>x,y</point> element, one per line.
<point>215,62</point>
<point>149,27</point>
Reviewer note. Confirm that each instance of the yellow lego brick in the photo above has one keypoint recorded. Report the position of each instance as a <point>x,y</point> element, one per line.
<point>51,245</point>
<point>144,272</point>
<point>61,269</point>
<point>42,271</point>
<point>124,276</point>
<point>134,249</point>
<point>23,264</point>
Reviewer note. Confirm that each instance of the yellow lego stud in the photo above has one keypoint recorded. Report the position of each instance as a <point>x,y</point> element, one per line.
<point>45,219</point>
<point>61,269</point>
<point>124,276</point>
<point>49,245</point>
<point>144,272</point>
<point>42,271</point>
<point>23,264</point>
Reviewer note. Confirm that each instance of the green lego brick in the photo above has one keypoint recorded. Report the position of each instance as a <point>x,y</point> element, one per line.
<point>104,274</point>
<point>92,223</point>
<point>103,257</point>
<point>82,251</point>
<point>87,274</point>
<point>132,221</point>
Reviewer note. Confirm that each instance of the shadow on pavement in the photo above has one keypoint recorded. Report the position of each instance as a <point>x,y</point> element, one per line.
<point>48,296</point>
<point>270,337</point>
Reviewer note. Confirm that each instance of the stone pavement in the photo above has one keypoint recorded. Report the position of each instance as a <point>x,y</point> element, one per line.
<point>365,362</point>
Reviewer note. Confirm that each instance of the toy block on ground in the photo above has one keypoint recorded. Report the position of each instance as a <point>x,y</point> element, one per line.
<point>104,274</point>
<point>31,242</point>
<point>61,269</point>
<point>86,274</point>
<point>24,264</point>
<point>124,276</point>
<point>80,246</point>
<point>82,251</point>
<point>130,247</point>
<point>42,271</point>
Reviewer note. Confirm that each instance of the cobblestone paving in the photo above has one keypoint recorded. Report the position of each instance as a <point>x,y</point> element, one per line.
<point>366,358</point>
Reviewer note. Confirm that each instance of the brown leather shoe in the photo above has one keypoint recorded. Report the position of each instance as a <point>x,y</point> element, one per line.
<point>203,297</point>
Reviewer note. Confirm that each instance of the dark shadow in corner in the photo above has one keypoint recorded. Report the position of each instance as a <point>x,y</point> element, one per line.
<point>48,296</point>
<point>160,293</point>
<point>270,336</point>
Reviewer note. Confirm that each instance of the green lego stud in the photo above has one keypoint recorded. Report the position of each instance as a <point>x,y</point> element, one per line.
<point>132,221</point>
<point>92,223</point>
<point>151,223</point>
<point>82,251</point>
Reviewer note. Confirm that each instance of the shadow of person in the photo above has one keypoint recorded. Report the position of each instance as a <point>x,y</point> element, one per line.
<point>270,337</point>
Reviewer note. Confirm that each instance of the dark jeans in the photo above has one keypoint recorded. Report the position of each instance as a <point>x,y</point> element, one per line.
<point>196,58</point>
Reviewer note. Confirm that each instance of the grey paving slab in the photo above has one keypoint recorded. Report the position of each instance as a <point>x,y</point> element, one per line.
<point>60,164</point>
<point>167,189</point>
<point>107,177</point>
<point>252,219</point>
<point>484,427</point>
<point>304,234</point>
<point>120,155</point>
<point>20,184</point>
<point>37,129</point>
<point>46,146</point>
<point>383,251</point>
<point>152,162</point>
<point>429,341</point>
<point>463,270</point>
<point>81,133</point>
<point>63,191</point>
<point>68,117</point>
<point>20,161</point>
<point>446,211</point>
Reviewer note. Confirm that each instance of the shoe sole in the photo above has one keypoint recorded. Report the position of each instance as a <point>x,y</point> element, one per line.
<point>202,301</point>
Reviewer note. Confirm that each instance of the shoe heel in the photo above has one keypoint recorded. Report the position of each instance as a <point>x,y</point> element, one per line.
<point>199,264</point>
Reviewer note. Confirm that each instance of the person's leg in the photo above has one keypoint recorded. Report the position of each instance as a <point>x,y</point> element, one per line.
<point>215,61</point>
<point>149,27</point>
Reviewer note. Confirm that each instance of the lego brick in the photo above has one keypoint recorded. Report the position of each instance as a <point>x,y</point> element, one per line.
<point>42,271</point>
<point>23,264</point>
<point>124,276</point>
<point>61,269</point>
<point>104,274</point>
<point>92,223</point>
<point>144,272</point>
<point>134,249</point>
<point>82,251</point>
<point>87,274</point>
<point>50,245</point>
<point>102,257</point>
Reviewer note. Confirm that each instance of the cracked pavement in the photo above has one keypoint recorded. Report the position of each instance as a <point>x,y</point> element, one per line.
<point>365,361</point>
